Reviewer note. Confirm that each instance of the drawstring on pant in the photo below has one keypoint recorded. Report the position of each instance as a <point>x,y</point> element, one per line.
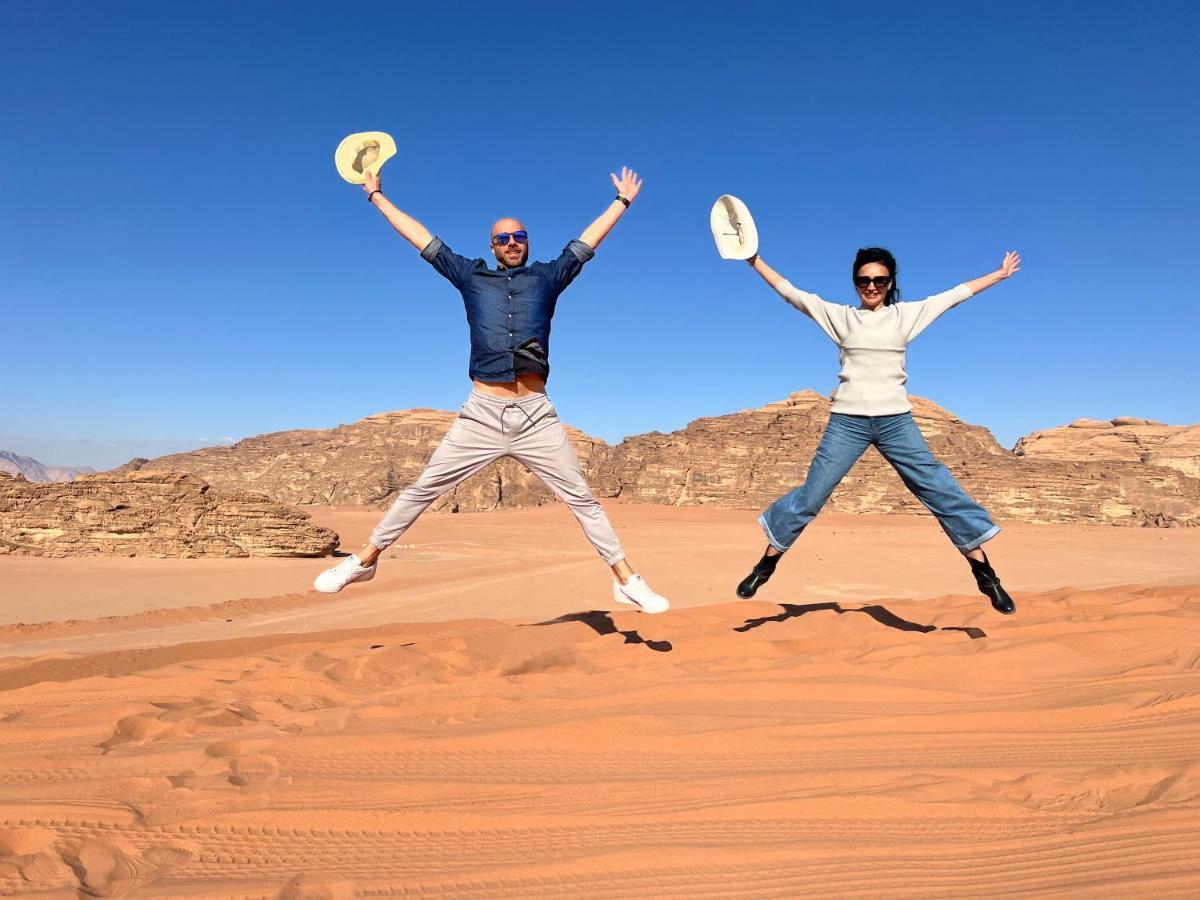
<point>507,407</point>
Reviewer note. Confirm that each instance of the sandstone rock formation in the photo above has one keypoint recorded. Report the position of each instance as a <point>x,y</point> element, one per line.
<point>32,470</point>
<point>1126,439</point>
<point>150,514</point>
<point>749,458</point>
<point>365,463</point>
<point>744,459</point>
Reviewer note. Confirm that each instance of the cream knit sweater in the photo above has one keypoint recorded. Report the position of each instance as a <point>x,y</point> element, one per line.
<point>872,345</point>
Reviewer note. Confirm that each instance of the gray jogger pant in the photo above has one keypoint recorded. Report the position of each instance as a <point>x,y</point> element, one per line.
<point>487,428</point>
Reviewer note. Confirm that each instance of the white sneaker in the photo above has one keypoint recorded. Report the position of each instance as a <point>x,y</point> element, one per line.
<point>636,593</point>
<point>346,572</point>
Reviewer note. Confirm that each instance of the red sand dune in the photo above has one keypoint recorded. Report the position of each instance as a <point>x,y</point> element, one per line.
<point>859,741</point>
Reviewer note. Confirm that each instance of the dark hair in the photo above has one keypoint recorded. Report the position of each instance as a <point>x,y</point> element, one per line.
<point>884,258</point>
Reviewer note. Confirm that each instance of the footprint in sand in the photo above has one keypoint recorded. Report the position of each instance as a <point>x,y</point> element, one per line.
<point>181,719</point>
<point>439,660</point>
<point>245,768</point>
<point>233,776</point>
<point>144,728</point>
<point>28,857</point>
<point>1107,789</point>
<point>114,867</point>
<point>309,886</point>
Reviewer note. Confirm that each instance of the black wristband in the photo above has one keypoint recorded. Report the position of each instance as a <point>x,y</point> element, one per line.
<point>623,200</point>
<point>373,193</point>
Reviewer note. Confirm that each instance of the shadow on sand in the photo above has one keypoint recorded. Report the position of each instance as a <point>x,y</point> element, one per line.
<point>602,623</point>
<point>880,614</point>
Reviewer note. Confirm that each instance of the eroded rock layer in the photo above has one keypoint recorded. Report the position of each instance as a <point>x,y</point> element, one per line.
<point>365,463</point>
<point>751,457</point>
<point>1124,439</point>
<point>151,513</point>
<point>744,459</point>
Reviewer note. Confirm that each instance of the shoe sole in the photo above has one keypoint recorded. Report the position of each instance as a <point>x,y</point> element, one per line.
<point>339,588</point>
<point>650,612</point>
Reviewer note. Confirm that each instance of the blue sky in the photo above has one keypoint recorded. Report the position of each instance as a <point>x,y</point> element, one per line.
<point>180,264</point>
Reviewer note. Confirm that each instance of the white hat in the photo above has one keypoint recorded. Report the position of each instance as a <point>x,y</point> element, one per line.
<point>362,152</point>
<point>733,228</point>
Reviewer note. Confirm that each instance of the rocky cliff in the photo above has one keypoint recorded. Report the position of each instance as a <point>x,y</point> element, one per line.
<point>366,463</point>
<point>743,459</point>
<point>150,514</point>
<point>1123,439</point>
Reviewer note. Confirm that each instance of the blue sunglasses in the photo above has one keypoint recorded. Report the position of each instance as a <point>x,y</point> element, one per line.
<point>501,239</point>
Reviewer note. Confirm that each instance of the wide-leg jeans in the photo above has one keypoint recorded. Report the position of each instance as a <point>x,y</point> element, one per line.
<point>901,443</point>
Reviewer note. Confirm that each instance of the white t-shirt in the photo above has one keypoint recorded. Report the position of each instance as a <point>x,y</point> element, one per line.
<point>871,345</point>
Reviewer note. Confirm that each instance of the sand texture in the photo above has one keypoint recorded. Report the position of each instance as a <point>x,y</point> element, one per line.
<point>877,735</point>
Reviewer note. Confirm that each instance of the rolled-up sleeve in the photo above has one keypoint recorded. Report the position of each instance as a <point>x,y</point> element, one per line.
<point>570,263</point>
<point>581,250</point>
<point>448,263</point>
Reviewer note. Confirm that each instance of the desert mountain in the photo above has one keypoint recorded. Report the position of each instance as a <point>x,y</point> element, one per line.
<point>150,514</point>
<point>743,459</point>
<point>751,457</point>
<point>32,470</point>
<point>365,463</point>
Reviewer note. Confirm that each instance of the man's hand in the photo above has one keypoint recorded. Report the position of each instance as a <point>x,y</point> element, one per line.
<point>373,182</point>
<point>628,184</point>
<point>408,227</point>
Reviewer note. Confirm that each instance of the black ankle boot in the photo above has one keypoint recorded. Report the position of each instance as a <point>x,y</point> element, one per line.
<point>759,575</point>
<point>990,587</point>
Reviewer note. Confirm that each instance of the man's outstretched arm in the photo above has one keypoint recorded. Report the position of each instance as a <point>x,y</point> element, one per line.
<point>627,186</point>
<point>410,229</point>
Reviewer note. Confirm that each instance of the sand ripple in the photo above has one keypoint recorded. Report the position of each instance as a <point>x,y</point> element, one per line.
<point>856,749</point>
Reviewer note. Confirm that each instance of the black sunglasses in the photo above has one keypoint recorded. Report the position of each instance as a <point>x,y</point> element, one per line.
<point>880,281</point>
<point>501,239</point>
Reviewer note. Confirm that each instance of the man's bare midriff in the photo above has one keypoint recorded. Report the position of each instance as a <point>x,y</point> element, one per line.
<point>527,383</point>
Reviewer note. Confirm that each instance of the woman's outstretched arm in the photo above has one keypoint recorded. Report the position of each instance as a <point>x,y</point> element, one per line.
<point>916,317</point>
<point>1011,266</point>
<point>769,275</point>
<point>820,311</point>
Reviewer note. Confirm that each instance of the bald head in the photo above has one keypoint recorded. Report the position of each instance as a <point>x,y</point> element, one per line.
<point>511,254</point>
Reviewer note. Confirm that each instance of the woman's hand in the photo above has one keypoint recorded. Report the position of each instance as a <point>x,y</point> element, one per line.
<point>372,182</point>
<point>628,184</point>
<point>1011,265</point>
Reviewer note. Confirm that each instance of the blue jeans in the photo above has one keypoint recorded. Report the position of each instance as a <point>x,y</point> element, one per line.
<point>901,443</point>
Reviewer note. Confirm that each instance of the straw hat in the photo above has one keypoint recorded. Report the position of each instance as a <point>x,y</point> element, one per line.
<point>733,228</point>
<point>360,152</point>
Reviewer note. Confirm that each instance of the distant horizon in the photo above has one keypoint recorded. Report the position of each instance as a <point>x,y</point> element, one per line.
<point>156,447</point>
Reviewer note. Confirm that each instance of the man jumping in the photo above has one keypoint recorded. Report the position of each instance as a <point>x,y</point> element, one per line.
<point>509,309</point>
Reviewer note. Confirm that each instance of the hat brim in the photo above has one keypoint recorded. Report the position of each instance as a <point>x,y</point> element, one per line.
<point>733,228</point>
<point>350,153</point>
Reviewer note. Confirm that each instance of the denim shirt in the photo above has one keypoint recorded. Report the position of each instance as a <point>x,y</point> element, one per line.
<point>509,310</point>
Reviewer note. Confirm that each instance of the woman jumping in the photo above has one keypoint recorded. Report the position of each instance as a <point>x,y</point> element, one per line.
<point>870,406</point>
